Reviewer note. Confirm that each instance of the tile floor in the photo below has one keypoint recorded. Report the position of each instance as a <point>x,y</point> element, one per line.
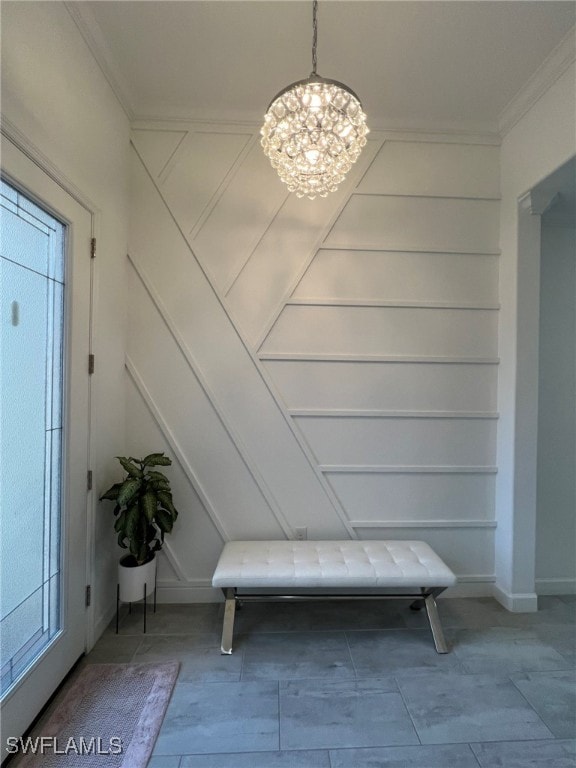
<point>359,685</point>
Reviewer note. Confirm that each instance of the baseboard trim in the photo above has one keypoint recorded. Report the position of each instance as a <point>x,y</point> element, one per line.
<point>472,588</point>
<point>188,593</point>
<point>516,602</point>
<point>100,626</point>
<point>476,585</point>
<point>556,586</point>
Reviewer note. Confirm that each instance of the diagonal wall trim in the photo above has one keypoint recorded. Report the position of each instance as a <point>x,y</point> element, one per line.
<point>175,447</point>
<point>213,202</point>
<point>232,434</point>
<point>355,176</point>
<point>234,278</point>
<point>264,376</point>
<point>174,562</point>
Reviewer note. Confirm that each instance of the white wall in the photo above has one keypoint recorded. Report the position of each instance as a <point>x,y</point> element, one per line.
<point>290,337</point>
<point>556,487</point>
<point>329,364</point>
<point>56,102</point>
<point>538,144</point>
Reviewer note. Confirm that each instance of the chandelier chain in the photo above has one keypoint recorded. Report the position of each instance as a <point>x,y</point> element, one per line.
<point>314,35</point>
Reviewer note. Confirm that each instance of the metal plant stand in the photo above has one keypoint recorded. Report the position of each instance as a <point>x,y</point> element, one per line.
<point>130,604</point>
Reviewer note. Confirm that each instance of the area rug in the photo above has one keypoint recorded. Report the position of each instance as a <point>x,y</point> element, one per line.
<point>107,715</point>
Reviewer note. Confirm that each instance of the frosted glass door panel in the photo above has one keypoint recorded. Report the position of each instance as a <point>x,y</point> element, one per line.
<point>32,302</point>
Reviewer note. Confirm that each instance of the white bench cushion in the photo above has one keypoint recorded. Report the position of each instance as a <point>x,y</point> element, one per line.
<point>304,564</point>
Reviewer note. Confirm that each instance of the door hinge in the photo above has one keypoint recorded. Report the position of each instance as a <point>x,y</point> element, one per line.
<point>88,595</point>
<point>90,364</point>
<point>93,248</point>
<point>89,480</point>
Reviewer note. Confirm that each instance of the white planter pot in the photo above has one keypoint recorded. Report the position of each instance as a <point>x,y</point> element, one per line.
<point>132,580</point>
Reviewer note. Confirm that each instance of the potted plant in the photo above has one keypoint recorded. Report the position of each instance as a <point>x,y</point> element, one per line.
<point>144,514</point>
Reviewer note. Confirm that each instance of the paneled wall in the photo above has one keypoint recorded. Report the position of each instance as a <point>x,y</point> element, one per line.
<point>328,364</point>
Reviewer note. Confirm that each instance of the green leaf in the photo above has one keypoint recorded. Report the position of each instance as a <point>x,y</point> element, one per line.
<point>157,476</point>
<point>164,520</point>
<point>130,488</point>
<point>121,541</point>
<point>156,460</point>
<point>120,523</point>
<point>112,492</point>
<point>166,501</point>
<point>156,485</point>
<point>132,470</point>
<point>149,505</point>
<point>132,524</point>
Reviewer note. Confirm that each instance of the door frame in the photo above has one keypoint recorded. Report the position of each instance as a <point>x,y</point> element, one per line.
<point>30,153</point>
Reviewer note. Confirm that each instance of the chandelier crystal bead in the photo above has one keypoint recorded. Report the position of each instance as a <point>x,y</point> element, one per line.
<point>313,132</point>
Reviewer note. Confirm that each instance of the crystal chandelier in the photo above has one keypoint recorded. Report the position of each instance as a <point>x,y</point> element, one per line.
<point>313,131</point>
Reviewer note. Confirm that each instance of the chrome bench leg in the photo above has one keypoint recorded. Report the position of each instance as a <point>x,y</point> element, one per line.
<point>435,625</point>
<point>228,627</point>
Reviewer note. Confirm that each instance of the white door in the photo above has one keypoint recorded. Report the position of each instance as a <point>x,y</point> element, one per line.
<point>44,429</point>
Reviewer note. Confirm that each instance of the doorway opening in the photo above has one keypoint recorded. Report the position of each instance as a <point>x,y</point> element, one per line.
<point>556,443</point>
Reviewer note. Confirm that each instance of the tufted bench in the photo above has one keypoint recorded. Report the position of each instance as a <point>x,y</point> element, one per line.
<point>324,570</point>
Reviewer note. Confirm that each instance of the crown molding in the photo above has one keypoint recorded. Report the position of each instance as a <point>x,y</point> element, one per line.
<point>489,132</point>
<point>536,86</point>
<point>468,131</point>
<point>90,30</point>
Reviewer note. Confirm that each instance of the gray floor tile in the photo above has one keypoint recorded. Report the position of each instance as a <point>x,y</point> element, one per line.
<point>504,650</point>
<point>429,756</point>
<point>551,610</point>
<point>461,613</point>
<point>525,754</point>
<point>323,714</point>
<point>199,656</point>
<point>299,759</point>
<point>114,649</point>
<point>327,615</point>
<point>377,653</point>
<point>281,656</point>
<point>553,696</point>
<point>562,637</point>
<point>448,707</point>
<point>220,717</point>
<point>171,619</point>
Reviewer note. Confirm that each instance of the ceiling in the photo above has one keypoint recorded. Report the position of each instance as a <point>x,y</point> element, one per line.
<point>429,65</point>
